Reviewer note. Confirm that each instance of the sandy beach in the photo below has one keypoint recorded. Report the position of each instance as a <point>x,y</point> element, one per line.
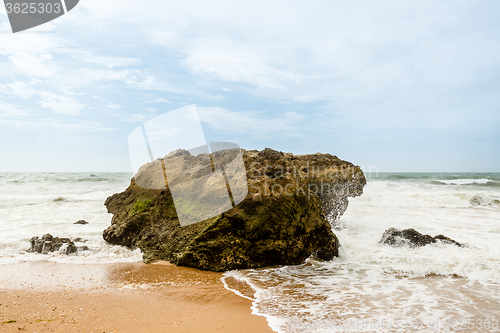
<point>127,297</point>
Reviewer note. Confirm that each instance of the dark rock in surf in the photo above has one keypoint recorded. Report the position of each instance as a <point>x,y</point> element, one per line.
<point>447,240</point>
<point>81,222</point>
<point>412,238</point>
<point>267,228</point>
<point>47,243</point>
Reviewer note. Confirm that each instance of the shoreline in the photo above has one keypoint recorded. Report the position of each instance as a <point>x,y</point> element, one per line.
<point>120,297</point>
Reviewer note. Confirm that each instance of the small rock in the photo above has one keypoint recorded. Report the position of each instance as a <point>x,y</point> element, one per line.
<point>79,240</point>
<point>47,237</point>
<point>81,222</point>
<point>447,240</point>
<point>47,247</point>
<point>68,248</point>
<point>48,244</point>
<point>412,238</point>
<point>36,245</point>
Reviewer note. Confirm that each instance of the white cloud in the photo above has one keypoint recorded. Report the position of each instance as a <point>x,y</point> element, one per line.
<point>107,61</point>
<point>57,124</point>
<point>134,118</point>
<point>313,51</point>
<point>158,100</point>
<point>8,110</point>
<point>128,76</point>
<point>18,88</point>
<point>228,60</point>
<point>87,126</point>
<point>33,65</point>
<point>60,103</point>
<point>255,124</point>
<point>71,93</point>
<point>30,53</point>
<point>121,75</point>
<point>29,43</point>
<point>114,106</point>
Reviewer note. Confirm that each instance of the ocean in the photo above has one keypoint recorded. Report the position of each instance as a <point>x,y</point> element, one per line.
<point>369,287</point>
<point>33,204</point>
<point>379,288</point>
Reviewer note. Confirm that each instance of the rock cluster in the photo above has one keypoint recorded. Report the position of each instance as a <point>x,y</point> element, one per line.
<point>47,243</point>
<point>285,218</point>
<point>412,238</point>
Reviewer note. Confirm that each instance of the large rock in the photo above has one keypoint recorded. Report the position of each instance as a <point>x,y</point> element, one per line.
<point>412,238</point>
<point>284,219</point>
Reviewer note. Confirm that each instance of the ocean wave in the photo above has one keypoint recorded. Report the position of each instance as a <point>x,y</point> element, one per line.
<point>387,196</point>
<point>482,181</point>
<point>35,178</point>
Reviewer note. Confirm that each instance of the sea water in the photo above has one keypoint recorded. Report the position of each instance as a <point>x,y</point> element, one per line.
<point>33,204</point>
<point>369,287</point>
<point>374,287</point>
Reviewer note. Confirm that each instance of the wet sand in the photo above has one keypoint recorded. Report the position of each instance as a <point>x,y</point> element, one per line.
<point>50,297</point>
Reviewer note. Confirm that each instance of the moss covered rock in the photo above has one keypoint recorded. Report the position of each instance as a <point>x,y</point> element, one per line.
<point>285,218</point>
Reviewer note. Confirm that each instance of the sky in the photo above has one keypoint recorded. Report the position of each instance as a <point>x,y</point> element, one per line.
<point>393,86</point>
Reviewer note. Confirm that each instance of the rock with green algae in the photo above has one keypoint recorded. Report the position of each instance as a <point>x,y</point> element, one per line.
<point>286,217</point>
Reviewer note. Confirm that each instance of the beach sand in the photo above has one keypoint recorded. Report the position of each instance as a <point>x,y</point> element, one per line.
<point>126,297</point>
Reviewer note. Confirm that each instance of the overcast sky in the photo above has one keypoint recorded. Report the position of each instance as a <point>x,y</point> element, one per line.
<point>397,85</point>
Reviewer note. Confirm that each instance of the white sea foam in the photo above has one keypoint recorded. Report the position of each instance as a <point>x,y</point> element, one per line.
<point>465,181</point>
<point>377,282</point>
<point>36,204</point>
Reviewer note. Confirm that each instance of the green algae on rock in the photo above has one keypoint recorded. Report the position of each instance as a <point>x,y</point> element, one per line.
<point>285,218</point>
<point>139,207</point>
